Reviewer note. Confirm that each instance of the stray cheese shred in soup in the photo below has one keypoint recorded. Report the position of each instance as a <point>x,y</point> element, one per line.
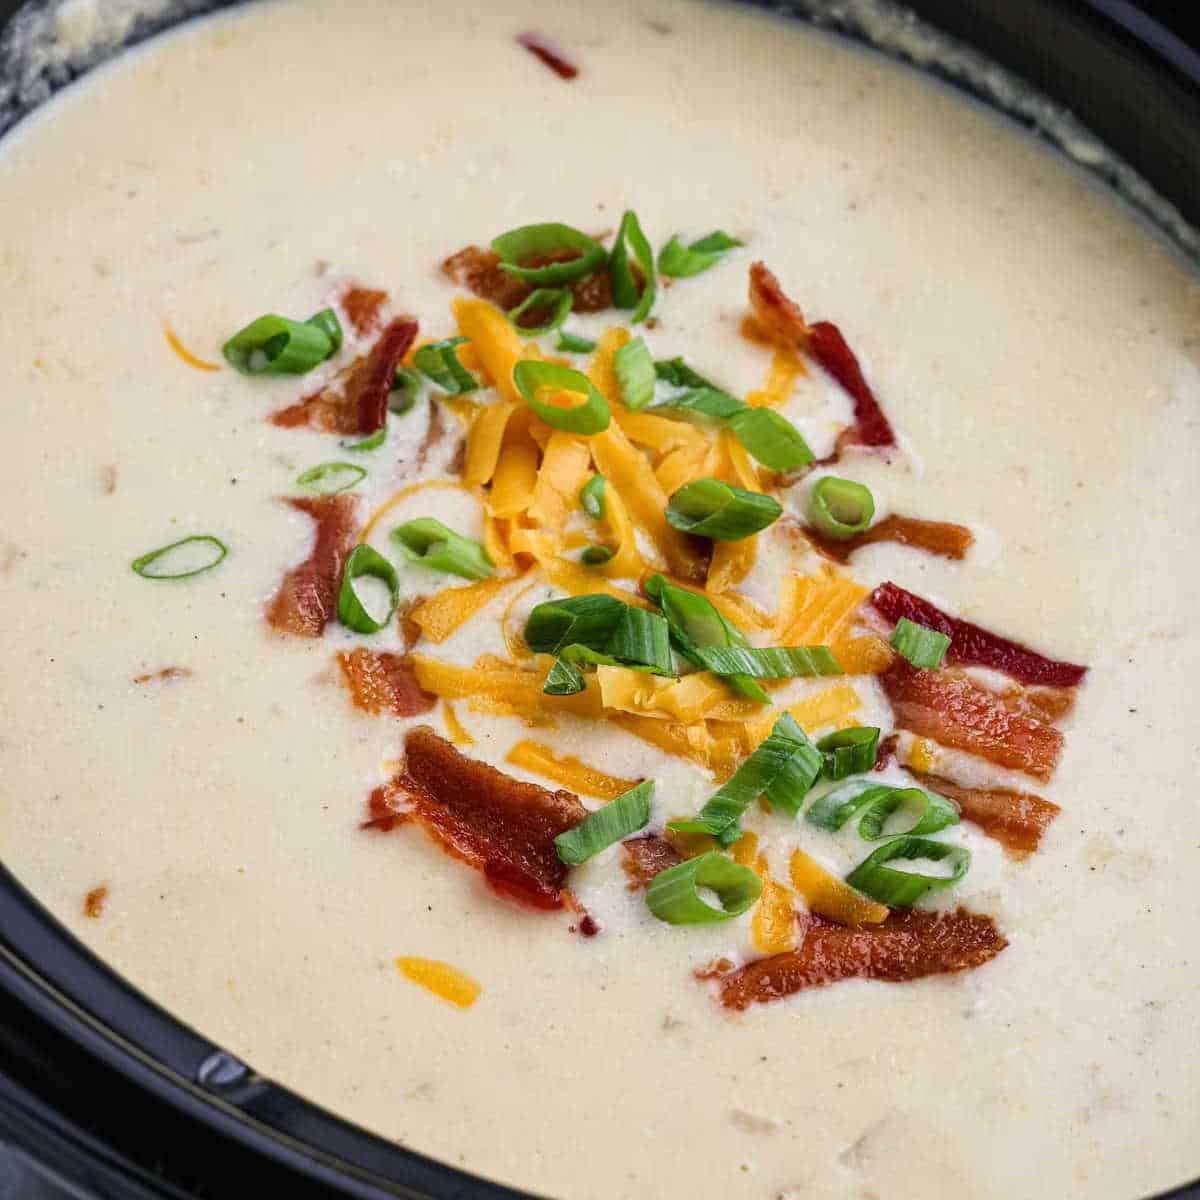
<point>611,596</point>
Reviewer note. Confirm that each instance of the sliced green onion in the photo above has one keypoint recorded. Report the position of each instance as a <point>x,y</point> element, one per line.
<point>769,662</point>
<point>368,443</point>
<point>678,374</point>
<point>704,402</point>
<point>182,559</point>
<point>327,322</point>
<point>624,286</point>
<point>924,648</point>
<point>328,478</point>
<point>924,812</point>
<point>587,620</point>
<point>695,623</point>
<point>565,679</point>
<point>595,556</point>
<point>770,439</point>
<point>898,888</point>
<point>591,497</point>
<point>439,361</point>
<point>673,894</point>
<point>275,345</point>
<point>590,417</point>
<point>642,637</point>
<point>783,768</point>
<point>407,385</point>
<point>365,560</point>
<point>840,508</point>
<point>606,826</point>
<point>573,343</point>
<point>710,508</point>
<point>682,261</point>
<point>849,751</point>
<point>831,811</point>
<point>427,542</point>
<point>547,241</point>
<point>634,369</point>
<point>556,301</point>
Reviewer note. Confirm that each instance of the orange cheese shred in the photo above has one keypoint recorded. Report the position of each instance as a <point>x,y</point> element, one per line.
<point>786,368</point>
<point>820,609</point>
<point>832,708</point>
<point>516,472</point>
<point>484,443</point>
<point>184,353</point>
<point>565,467</point>
<point>830,897</point>
<point>773,926</point>
<point>450,609</point>
<point>570,772</point>
<point>454,727</point>
<point>440,978</point>
<point>732,561</point>
<point>496,343</point>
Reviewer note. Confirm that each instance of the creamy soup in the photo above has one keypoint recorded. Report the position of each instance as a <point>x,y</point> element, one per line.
<point>186,781</point>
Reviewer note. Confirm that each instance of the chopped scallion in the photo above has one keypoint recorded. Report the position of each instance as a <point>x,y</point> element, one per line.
<point>548,242</point>
<point>565,679</point>
<point>591,497</point>
<point>643,638</point>
<point>407,385</point>
<point>924,648</point>
<point>606,826</point>
<point>532,377</point>
<point>368,443</point>
<point>182,559</point>
<point>840,508</point>
<point>365,560</point>
<point>573,343</point>
<point>769,662</point>
<point>682,261</point>
<point>439,362</point>
<point>770,439</point>
<point>429,543</point>
<point>275,345</point>
<point>891,885</point>
<point>327,478</point>
<point>327,321</point>
<point>634,369</point>
<point>554,303</point>
<point>624,285</point>
<point>588,620</point>
<point>595,556</point>
<point>849,751</point>
<point>709,508</point>
<point>674,896</point>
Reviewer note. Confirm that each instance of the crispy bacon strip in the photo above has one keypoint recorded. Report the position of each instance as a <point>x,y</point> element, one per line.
<point>643,858</point>
<point>307,597</point>
<point>384,683</point>
<point>1015,819</point>
<point>478,270</point>
<point>971,643</point>
<point>363,307</point>
<point>544,50</point>
<point>934,537</point>
<point>502,827</point>
<point>951,708</point>
<point>886,753</point>
<point>910,944</point>
<point>782,318</point>
<point>355,402</point>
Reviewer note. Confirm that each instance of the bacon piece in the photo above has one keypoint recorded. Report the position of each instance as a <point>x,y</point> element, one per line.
<point>93,902</point>
<point>645,856</point>
<point>951,708</point>
<point>307,597</point>
<point>384,807</point>
<point>355,402</point>
<point>886,751</point>
<point>1015,819</point>
<point>479,271</point>
<point>934,537</point>
<point>548,53</point>
<point>971,643</point>
<point>362,307</point>
<point>502,827</point>
<point>783,320</point>
<point>165,675</point>
<point>384,683</point>
<point>910,944</point>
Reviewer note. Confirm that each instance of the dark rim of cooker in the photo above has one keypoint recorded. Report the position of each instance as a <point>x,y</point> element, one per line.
<point>103,1094</point>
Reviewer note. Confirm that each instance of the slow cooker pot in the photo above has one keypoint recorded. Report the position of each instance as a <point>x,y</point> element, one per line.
<point>105,1095</point>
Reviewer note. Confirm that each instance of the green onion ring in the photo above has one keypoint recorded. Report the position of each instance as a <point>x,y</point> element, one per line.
<point>634,369</point>
<point>623,816</point>
<point>275,345</point>
<point>592,416</point>
<point>673,896</point>
<point>591,497</point>
<point>544,241</point>
<point>898,888</point>
<point>327,479</point>
<point>840,508</point>
<point>849,751</point>
<point>428,543</point>
<point>709,508</point>
<point>624,286</point>
<point>924,648</point>
<point>365,560</point>
<point>557,300</point>
<point>141,564</point>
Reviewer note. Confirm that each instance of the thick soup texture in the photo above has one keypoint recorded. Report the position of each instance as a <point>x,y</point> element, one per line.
<point>688,700</point>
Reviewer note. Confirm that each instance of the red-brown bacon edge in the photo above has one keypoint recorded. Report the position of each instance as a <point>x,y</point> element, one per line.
<point>549,54</point>
<point>910,944</point>
<point>479,271</point>
<point>1017,820</point>
<point>783,319</point>
<point>499,825</point>
<point>940,538</point>
<point>356,401</point>
<point>382,683</point>
<point>643,857</point>
<point>307,598</point>
<point>972,644</point>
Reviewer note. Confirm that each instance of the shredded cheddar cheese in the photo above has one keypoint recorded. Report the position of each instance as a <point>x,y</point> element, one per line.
<point>440,978</point>
<point>922,755</point>
<point>832,708</point>
<point>184,353</point>
<point>830,897</point>
<point>786,368</point>
<point>565,467</point>
<point>450,609</point>
<point>454,727</point>
<point>484,442</point>
<point>569,771</point>
<point>496,343</point>
<point>820,610</point>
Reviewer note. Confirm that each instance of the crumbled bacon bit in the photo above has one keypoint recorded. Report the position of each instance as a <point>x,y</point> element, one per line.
<point>307,597</point>
<point>363,307</point>
<point>93,902</point>
<point>643,858</point>
<point>934,537</point>
<point>499,825</point>
<point>885,754</point>
<point>951,708</point>
<point>780,317</point>
<point>910,944</point>
<point>588,926</point>
<point>970,643</point>
<point>594,294</point>
<point>548,53</point>
<point>356,401</point>
<point>479,271</point>
<point>383,808</point>
<point>381,683</point>
<point>165,675</point>
<point>714,969</point>
<point>1015,819</point>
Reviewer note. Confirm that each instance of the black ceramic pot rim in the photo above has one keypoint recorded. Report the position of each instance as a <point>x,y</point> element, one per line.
<point>68,1021</point>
